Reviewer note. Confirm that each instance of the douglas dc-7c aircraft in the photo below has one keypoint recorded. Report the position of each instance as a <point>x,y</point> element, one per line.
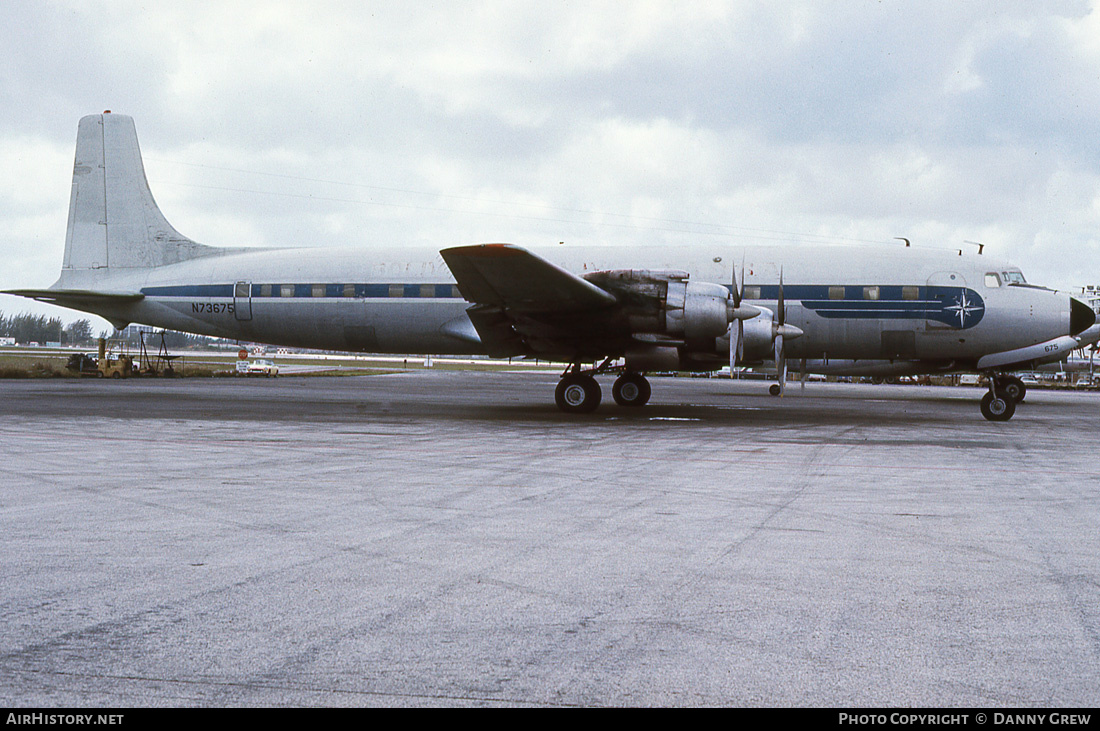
<point>633,310</point>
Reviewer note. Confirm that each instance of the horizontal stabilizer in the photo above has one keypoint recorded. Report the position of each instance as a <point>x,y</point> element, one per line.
<point>74,298</point>
<point>512,278</point>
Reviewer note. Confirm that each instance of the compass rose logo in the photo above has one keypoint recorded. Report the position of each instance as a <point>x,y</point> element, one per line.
<point>967,310</point>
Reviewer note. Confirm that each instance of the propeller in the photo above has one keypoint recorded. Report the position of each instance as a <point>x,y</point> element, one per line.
<point>737,334</point>
<point>780,351</point>
<point>782,332</point>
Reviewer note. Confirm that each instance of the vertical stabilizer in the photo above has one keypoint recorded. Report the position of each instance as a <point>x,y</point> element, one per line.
<point>114,223</point>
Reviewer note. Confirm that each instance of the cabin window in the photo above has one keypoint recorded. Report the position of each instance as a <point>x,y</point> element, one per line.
<point>397,290</point>
<point>349,290</point>
<point>455,292</point>
<point>752,293</point>
<point>836,293</point>
<point>910,293</point>
<point>286,290</point>
<point>427,290</point>
<point>265,290</point>
<point>870,293</point>
<point>317,290</point>
<point>992,280</point>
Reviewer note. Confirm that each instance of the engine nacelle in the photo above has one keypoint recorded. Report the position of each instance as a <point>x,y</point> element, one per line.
<point>697,310</point>
<point>759,338</point>
<point>666,303</point>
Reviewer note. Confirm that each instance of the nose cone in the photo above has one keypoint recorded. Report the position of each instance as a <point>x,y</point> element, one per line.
<point>1081,316</point>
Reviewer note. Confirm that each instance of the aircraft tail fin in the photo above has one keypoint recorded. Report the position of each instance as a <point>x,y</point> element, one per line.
<point>114,223</point>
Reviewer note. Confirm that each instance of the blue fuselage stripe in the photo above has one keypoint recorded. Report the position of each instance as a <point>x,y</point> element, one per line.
<point>299,290</point>
<point>956,306</point>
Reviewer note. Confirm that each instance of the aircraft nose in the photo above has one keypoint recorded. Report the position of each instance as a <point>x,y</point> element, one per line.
<point>1081,316</point>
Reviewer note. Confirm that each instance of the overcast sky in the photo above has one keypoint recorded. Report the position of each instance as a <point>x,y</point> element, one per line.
<point>358,124</point>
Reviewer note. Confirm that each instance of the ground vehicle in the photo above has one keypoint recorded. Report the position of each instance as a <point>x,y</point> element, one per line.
<point>121,367</point>
<point>83,363</point>
<point>262,367</point>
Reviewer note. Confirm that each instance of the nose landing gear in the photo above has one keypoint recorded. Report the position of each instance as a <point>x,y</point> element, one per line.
<point>999,404</point>
<point>1013,387</point>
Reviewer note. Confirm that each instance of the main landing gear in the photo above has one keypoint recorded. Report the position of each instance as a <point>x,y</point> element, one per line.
<point>579,393</point>
<point>999,404</point>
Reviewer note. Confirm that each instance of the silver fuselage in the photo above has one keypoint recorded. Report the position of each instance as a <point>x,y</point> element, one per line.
<point>851,302</point>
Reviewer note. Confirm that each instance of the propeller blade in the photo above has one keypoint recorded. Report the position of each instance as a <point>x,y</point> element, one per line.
<point>780,363</point>
<point>781,314</point>
<point>735,290</point>
<point>738,310</point>
<point>737,343</point>
<point>733,349</point>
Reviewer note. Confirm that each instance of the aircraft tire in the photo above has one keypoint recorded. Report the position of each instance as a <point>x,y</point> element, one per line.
<point>1014,388</point>
<point>775,389</point>
<point>578,393</point>
<point>631,389</point>
<point>999,408</point>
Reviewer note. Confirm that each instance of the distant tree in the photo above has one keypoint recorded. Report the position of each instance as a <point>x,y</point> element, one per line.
<point>54,332</point>
<point>79,332</point>
<point>27,328</point>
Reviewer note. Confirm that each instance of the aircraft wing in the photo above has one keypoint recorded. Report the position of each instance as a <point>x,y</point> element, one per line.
<point>502,275</point>
<point>525,305</point>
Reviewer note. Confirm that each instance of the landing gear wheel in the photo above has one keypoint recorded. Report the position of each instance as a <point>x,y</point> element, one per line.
<point>578,394</point>
<point>631,389</point>
<point>775,389</point>
<point>998,408</point>
<point>1013,387</point>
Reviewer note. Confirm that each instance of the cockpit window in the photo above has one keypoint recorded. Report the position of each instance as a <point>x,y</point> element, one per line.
<point>1013,277</point>
<point>992,280</point>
